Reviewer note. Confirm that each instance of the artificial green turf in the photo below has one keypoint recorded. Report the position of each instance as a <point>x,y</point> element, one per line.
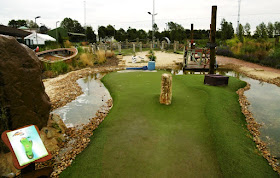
<point>201,134</point>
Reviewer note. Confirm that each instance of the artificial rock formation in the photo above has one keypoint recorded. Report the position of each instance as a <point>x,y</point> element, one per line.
<point>53,134</point>
<point>166,89</point>
<point>23,100</point>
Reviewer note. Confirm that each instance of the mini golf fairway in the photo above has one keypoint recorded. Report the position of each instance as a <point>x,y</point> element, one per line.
<point>201,134</point>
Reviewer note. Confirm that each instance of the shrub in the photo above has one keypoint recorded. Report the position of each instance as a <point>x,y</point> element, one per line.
<point>59,67</point>
<point>101,56</point>
<point>152,57</point>
<point>87,59</point>
<point>80,50</point>
<point>110,53</point>
<point>224,51</point>
<point>67,44</point>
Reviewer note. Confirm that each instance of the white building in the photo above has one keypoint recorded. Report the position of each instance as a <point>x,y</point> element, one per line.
<point>40,40</point>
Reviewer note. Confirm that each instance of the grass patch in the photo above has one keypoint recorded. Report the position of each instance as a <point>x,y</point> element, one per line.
<point>201,134</point>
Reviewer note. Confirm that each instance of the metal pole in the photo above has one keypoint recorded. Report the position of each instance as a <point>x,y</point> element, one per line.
<point>213,40</point>
<point>153,21</point>
<point>36,32</point>
<point>37,29</point>
<point>238,18</point>
<point>56,31</point>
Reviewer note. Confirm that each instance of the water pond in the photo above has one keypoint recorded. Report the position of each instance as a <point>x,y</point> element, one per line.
<point>81,110</point>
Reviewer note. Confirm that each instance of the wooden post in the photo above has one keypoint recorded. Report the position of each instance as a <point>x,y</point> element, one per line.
<point>140,46</point>
<point>192,41</point>
<point>120,48</point>
<point>133,46</point>
<point>213,40</point>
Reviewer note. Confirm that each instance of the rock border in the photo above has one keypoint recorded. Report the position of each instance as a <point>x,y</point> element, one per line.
<point>254,127</point>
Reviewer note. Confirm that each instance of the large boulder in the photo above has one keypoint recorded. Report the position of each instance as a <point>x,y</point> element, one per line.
<point>23,100</point>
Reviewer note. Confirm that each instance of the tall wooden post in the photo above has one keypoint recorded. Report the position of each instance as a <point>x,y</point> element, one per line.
<point>213,40</point>
<point>192,41</point>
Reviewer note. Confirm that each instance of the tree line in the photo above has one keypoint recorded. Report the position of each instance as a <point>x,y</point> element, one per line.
<point>174,31</point>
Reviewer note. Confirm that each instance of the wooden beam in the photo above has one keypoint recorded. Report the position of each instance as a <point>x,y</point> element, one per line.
<point>213,40</point>
<point>192,41</point>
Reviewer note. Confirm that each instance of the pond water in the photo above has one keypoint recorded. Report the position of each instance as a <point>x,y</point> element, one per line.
<point>81,110</point>
<point>264,99</point>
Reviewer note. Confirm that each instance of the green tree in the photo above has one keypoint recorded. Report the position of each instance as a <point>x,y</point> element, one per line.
<point>131,34</point>
<point>247,29</point>
<point>227,30</point>
<point>177,31</point>
<point>141,34</point>
<point>43,29</point>
<point>31,24</point>
<point>101,32</point>
<point>72,25</point>
<point>277,28</point>
<point>17,23</point>
<point>261,31</point>
<point>155,27</point>
<point>270,30</point>
<point>241,33</point>
<point>68,24</point>
<point>90,35</point>
<point>121,35</point>
<point>110,31</point>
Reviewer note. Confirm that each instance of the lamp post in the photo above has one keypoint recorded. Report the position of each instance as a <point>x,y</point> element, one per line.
<point>153,22</point>
<point>114,31</point>
<point>56,31</point>
<point>37,29</point>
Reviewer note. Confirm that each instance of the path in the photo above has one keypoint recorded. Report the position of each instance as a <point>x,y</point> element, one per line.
<point>263,72</point>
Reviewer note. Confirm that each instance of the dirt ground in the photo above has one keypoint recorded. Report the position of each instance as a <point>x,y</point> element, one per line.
<point>171,60</point>
<point>163,59</point>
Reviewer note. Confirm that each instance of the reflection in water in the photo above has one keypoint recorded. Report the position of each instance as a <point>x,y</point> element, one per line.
<point>86,105</point>
<point>264,99</point>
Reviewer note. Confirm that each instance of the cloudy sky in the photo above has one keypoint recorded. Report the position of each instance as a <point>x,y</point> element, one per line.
<point>132,13</point>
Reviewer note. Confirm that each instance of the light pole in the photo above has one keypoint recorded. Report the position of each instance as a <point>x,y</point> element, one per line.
<point>153,22</point>
<point>114,31</point>
<point>37,29</point>
<point>56,31</point>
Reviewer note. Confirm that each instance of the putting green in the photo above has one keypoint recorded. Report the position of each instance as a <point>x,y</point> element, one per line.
<point>201,134</point>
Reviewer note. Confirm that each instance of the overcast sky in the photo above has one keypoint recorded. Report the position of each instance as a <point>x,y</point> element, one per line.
<point>132,13</point>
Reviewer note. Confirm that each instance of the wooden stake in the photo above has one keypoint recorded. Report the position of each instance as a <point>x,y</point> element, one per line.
<point>213,40</point>
<point>192,36</point>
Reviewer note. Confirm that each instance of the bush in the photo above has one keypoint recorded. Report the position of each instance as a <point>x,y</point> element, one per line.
<point>110,53</point>
<point>59,67</point>
<point>224,51</point>
<point>87,59</point>
<point>67,44</point>
<point>101,56</point>
<point>80,50</point>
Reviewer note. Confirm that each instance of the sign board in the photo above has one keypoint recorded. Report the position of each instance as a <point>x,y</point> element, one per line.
<point>26,146</point>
